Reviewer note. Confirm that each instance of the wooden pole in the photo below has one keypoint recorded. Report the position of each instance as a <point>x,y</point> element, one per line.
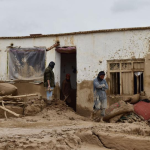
<point>55,45</point>
<point>9,102</point>
<point>16,97</point>
<point>4,111</point>
<point>11,112</point>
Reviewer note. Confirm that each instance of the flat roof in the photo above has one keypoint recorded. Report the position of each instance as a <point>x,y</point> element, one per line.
<point>80,32</point>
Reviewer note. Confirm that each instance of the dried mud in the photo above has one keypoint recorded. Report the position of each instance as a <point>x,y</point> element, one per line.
<point>58,127</point>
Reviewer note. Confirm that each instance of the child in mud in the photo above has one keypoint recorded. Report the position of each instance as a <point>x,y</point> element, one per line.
<point>100,98</point>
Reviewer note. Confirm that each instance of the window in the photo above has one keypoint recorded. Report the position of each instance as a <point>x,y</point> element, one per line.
<point>126,76</point>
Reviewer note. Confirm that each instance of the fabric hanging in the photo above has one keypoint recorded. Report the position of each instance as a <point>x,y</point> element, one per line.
<point>26,63</point>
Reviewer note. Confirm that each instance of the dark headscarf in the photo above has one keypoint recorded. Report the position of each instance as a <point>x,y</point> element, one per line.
<point>99,74</point>
<point>51,64</point>
<point>68,75</point>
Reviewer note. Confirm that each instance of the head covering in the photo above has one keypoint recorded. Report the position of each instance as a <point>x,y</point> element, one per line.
<point>99,74</point>
<point>51,64</point>
<point>67,75</point>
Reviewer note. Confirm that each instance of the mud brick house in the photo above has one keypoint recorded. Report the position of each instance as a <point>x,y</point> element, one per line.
<point>123,53</point>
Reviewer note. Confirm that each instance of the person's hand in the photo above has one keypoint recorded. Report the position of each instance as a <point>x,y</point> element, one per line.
<point>103,85</point>
<point>49,87</point>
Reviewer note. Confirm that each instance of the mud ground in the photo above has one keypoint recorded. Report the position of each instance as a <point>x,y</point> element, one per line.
<point>58,127</point>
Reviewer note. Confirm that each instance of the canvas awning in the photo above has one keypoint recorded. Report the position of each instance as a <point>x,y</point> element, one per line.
<point>66,49</point>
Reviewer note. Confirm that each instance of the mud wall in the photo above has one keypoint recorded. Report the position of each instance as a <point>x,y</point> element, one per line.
<point>85,97</point>
<point>30,88</point>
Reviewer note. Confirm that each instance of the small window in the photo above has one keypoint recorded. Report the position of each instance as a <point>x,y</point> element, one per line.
<point>138,82</point>
<point>126,66</point>
<point>114,66</point>
<point>115,83</point>
<point>138,65</point>
<point>126,76</point>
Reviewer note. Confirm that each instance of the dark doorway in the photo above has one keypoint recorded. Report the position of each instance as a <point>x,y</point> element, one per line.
<point>68,66</point>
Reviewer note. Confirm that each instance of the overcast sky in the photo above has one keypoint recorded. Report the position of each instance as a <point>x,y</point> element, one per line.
<point>24,17</point>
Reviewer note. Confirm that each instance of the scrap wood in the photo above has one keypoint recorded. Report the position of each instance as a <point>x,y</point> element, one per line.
<point>10,102</point>
<point>4,111</point>
<point>11,112</point>
<point>54,45</point>
<point>66,98</point>
<point>16,97</point>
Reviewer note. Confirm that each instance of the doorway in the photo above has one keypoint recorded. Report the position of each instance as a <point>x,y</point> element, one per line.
<point>68,66</point>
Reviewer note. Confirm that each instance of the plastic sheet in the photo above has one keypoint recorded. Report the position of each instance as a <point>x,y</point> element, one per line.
<point>26,63</point>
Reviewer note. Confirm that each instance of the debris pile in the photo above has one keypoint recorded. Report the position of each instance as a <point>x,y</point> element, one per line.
<point>130,118</point>
<point>129,111</point>
<point>17,106</point>
<point>59,105</point>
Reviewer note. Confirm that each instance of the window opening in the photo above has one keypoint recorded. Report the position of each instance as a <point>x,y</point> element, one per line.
<point>115,83</point>
<point>138,82</point>
<point>126,76</point>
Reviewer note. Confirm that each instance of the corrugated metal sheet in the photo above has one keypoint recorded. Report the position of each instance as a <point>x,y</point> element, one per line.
<point>80,32</point>
<point>127,83</point>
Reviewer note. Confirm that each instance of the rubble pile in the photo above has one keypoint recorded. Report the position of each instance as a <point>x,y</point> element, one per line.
<point>130,118</point>
<point>129,111</point>
<point>59,105</point>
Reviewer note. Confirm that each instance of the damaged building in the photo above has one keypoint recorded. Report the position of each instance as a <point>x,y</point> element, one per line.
<point>124,54</point>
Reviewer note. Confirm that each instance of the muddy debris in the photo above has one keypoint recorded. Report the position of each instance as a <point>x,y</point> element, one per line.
<point>57,127</point>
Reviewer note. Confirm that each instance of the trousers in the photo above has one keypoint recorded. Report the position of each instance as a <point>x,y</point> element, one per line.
<point>49,94</point>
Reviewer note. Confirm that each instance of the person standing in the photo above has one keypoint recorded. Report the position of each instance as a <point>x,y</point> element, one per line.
<point>66,90</point>
<point>100,99</point>
<point>49,80</point>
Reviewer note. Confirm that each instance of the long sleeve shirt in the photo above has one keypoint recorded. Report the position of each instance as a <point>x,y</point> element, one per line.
<point>66,88</point>
<point>99,90</point>
<point>49,75</point>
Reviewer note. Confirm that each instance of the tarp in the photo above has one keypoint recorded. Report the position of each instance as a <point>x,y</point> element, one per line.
<point>142,109</point>
<point>26,63</point>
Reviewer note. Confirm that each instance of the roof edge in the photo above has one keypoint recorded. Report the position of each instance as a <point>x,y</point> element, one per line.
<point>80,32</point>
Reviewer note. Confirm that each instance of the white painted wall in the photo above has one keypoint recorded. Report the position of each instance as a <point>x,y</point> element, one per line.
<point>91,48</point>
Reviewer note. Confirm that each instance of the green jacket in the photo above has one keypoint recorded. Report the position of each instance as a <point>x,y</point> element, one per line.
<point>49,75</point>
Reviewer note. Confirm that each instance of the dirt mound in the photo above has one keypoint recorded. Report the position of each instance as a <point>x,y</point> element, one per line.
<point>34,106</point>
<point>58,127</point>
<point>59,104</point>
